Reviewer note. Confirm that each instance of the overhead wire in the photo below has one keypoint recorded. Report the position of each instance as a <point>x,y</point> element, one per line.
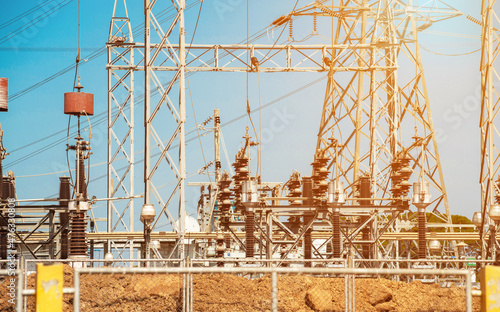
<point>102,115</point>
<point>34,22</point>
<point>445,54</point>
<point>92,56</point>
<point>24,14</point>
<point>275,101</point>
<point>282,31</point>
<point>191,95</point>
<point>95,54</point>
<point>198,130</point>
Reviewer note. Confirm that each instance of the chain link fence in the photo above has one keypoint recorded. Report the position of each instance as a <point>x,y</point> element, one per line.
<point>241,285</point>
<point>221,289</point>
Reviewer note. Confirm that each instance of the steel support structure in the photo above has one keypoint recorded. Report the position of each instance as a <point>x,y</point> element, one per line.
<point>165,117</point>
<point>121,141</point>
<point>381,113</point>
<point>490,134</point>
<point>365,91</point>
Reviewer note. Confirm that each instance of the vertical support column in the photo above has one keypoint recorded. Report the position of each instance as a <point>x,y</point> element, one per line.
<point>365,192</point>
<point>65,195</point>
<point>51,234</point>
<point>109,213</point>
<point>217,145</point>
<point>269,245</point>
<point>182,121</point>
<point>132,150</point>
<point>360,93</point>
<point>121,136</point>
<point>308,192</point>
<point>147,102</point>
<point>274,291</point>
<point>147,116</point>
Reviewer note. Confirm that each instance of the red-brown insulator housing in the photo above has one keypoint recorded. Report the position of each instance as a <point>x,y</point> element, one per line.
<point>78,237</point>
<point>336,234</point>
<point>422,228</point>
<point>79,103</point>
<point>4,94</point>
<point>249,230</point>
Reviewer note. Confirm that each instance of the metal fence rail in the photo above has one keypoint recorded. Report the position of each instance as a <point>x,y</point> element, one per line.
<point>338,263</point>
<point>30,264</point>
<point>346,273</point>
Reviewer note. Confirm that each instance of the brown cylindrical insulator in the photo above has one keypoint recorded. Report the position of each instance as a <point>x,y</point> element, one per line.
<point>307,186</point>
<point>336,234</point>
<point>64,191</point>
<point>65,194</point>
<point>219,248</point>
<point>422,228</point>
<point>8,188</point>
<point>365,190</point>
<point>78,239</point>
<point>227,240</point>
<point>249,230</point>
<point>82,184</point>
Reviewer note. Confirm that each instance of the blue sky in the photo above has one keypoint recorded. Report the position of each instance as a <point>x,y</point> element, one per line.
<point>49,46</point>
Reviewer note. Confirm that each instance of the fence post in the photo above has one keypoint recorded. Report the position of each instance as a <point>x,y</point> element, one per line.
<point>274,291</point>
<point>468,291</point>
<point>19,291</point>
<point>76,285</point>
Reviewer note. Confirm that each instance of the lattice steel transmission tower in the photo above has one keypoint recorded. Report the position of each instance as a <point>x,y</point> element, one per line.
<point>121,124</point>
<point>377,115</point>
<point>490,135</point>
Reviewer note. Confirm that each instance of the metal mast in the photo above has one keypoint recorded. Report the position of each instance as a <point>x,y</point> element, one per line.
<point>121,150</point>
<point>363,63</point>
<point>490,135</point>
<point>375,113</point>
<point>163,116</point>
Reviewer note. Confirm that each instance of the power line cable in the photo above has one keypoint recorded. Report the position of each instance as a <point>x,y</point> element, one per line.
<point>33,22</point>
<point>256,36</point>
<point>20,16</point>
<point>281,98</point>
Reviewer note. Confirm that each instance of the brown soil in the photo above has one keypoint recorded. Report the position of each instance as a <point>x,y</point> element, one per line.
<point>223,292</point>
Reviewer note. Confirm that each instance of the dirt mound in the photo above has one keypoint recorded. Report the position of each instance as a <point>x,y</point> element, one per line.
<point>225,292</point>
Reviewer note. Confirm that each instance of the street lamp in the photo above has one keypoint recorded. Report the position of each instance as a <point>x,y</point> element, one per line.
<point>148,214</point>
<point>109,258</point>
<point>477,219</point>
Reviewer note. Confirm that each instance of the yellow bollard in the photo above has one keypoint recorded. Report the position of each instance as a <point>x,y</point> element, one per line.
<point>490,289</point>
<point>49,288</point>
